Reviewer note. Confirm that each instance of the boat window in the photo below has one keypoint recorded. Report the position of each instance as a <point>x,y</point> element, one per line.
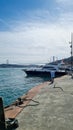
<point>49,67</point>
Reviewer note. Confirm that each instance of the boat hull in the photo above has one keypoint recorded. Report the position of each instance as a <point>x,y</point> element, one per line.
<point>43,73</point>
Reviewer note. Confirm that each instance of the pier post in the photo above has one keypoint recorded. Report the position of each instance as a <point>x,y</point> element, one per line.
<point>2,116</point>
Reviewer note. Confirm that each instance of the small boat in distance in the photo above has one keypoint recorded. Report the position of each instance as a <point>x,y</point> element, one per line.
<point>45,71</point>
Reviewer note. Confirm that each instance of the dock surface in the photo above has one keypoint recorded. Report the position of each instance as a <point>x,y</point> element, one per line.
<point>51,107</point>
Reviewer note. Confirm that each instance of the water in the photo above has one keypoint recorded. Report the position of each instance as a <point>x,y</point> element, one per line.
<point>14,83</point>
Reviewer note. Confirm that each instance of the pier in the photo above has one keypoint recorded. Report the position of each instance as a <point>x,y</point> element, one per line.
<point>47,106</point>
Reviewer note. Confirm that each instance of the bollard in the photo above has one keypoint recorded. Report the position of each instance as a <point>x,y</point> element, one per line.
<point>2,116</point>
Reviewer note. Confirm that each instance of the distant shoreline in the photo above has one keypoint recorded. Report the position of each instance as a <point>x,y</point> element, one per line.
<point>11,66</point>
<point>16,66</point>
<point>66,61</point>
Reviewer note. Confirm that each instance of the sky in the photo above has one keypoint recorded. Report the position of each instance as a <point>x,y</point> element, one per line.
<point>33,31</point>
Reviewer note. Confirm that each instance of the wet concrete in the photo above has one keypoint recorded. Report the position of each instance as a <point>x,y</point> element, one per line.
<point>54,110</point>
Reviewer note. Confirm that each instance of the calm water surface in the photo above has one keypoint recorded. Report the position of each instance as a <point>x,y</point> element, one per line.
<point>14,83</point>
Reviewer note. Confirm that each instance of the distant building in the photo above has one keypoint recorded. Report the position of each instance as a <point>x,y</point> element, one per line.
<point>7,61</point>
<point>53,58</point>
<point>72,42</point>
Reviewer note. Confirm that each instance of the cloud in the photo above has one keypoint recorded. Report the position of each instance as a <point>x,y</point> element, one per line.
<point>66,5</point>
<point>35,44</point>
<point>5,25</point>
<point>37,38</point>
<point>65,1</point>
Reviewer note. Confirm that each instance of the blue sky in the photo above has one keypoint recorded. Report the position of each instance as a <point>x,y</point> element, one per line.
<point>33,31</point>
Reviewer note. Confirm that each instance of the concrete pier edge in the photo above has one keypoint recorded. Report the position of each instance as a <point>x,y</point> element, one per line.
<point>55,109</point>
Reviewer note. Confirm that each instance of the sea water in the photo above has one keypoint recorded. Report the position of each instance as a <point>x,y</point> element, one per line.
<point>14,83</point>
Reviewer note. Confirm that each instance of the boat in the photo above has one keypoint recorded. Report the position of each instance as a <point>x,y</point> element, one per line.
<point>45,71</point>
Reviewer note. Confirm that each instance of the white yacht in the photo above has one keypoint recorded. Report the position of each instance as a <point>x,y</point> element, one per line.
<point>46,70</point>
